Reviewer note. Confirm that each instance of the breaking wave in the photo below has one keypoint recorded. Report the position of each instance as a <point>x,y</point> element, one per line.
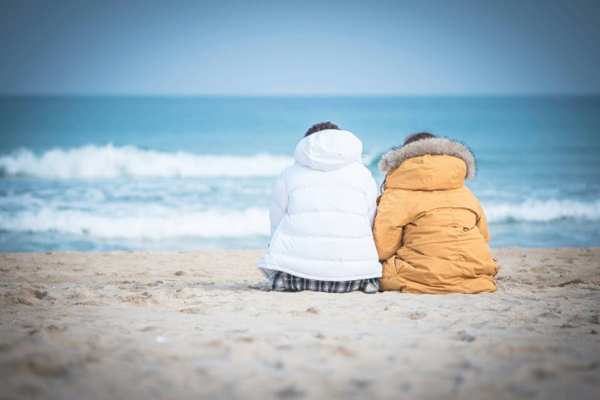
<point>143,225</point>
<point>542,211</point>
<point>106,162</point>
<point>155,222</point>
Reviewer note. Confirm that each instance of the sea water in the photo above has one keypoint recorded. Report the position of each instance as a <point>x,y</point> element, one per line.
<point>178,173</point>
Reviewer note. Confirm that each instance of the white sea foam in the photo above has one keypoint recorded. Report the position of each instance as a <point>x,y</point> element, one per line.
<point>129,161</point>
<point>542,211</point>
<point>150,221</point>
<point>144,224</point>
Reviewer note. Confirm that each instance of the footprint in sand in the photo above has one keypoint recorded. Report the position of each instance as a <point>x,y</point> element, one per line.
<point>343,351</point>
<point>261,286</point>
<point>149,329</point>
<point>550,314</point>
<point>309,310</point>
<point>28,296</point>
<point>290,392</point>
<point>183,293</point>
<point>139,299</point>
<point>245,339</point>
<point>417,315</point>
<point>194,310</point>
<point>464,336</point>
<point>360,384</point>
<point>540,270</point>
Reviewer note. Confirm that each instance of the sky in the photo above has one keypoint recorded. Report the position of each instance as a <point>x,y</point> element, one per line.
<point>148,47</point>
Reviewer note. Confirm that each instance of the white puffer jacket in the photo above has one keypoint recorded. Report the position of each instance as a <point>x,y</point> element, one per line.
<point>322,213</point>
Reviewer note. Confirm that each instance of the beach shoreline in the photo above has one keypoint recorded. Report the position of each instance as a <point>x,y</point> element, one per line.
<point>204,324</point>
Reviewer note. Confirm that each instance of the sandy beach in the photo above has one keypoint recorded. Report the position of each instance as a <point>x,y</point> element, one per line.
<point>203,324</point>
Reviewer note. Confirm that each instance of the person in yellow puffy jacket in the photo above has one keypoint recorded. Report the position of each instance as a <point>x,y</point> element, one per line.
<point>430,231</point>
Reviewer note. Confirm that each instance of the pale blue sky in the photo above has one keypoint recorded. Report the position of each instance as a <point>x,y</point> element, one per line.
<point>299,48</point>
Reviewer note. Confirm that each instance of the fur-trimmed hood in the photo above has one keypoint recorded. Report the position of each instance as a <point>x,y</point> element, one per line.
<point>433,146</point>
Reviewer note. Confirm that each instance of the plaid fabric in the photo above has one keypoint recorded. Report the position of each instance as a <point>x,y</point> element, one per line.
<point>283,282</point>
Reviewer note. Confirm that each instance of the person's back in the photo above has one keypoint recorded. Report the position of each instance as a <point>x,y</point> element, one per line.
<point>431,232</point>
<point>322,212</point>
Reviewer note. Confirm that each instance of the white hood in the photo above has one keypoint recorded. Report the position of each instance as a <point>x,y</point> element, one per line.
<point>328,150</point>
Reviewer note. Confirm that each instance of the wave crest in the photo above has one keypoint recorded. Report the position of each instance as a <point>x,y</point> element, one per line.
<point>144,225</point>
<point>542,211</point>
<point>105,162</point>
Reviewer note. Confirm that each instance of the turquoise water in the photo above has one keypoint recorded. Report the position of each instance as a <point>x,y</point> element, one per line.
<point>91,174</point>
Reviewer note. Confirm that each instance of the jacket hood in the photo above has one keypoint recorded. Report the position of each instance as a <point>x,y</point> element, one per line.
<point>434,146</point>
<point>328,150</point>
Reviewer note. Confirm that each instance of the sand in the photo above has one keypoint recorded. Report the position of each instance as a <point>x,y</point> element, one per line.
<point>141,325</point>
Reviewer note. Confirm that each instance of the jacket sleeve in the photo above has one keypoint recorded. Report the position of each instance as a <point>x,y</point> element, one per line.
<point>392,215</point>
<point>279,202</point>
<point>482,225</point>
<point>372,199</point>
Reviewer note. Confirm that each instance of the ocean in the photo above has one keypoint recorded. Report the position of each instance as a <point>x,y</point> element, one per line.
<point>180,173</point>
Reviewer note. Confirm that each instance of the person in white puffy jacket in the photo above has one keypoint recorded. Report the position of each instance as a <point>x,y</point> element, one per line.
<point>322,213</point>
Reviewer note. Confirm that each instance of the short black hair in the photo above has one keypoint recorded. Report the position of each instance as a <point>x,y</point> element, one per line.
<point>321,126</point>
<point>418,136</point>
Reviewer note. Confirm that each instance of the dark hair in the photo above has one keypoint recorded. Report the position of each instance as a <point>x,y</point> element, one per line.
<point>321,126</point>
<point>418,136</point>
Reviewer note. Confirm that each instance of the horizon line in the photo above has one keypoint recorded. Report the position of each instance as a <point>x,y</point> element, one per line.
<point>333,95</point>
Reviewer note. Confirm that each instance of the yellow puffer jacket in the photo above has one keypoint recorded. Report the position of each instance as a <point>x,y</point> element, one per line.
<point>430,231</point>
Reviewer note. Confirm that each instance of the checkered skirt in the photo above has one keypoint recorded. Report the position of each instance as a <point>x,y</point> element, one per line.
<point>284,282</point>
